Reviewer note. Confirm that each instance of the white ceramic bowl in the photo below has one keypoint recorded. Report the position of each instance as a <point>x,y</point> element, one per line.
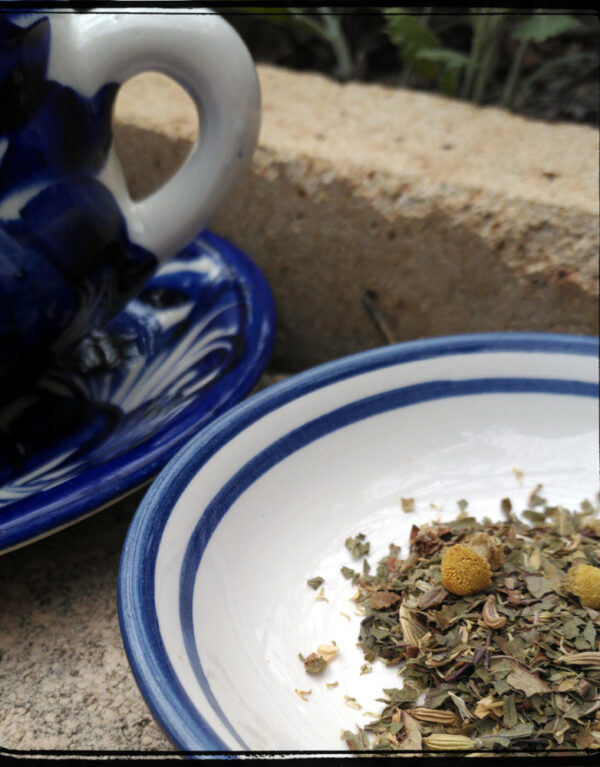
<point>213,599</point>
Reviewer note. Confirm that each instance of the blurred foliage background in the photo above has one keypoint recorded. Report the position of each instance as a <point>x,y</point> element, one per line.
<point>540,63</point>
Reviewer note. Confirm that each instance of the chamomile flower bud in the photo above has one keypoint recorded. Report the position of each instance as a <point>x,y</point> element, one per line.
<point>584,582</point>
<point>464,571</point>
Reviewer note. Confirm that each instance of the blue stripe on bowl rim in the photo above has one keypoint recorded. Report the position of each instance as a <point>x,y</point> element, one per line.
<point>66,503</point>
<point>146,653</point>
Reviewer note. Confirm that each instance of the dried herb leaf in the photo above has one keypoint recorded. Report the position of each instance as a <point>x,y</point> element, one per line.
<point>412,741</point>
<point>538,586</point>
<point>379,600</point>
<point>358,545</point>
<point>432,598</point>
<point>521,679</point>
<point>313,664</point>
<point>358,741</point>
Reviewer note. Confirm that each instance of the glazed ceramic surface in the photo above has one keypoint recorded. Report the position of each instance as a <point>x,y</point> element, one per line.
<point>74,248</point>
<point>192,344</point>
<point>213,595</point>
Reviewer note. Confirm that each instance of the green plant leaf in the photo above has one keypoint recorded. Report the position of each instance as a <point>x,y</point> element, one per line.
<point>543,26</point>
<point>449,62</point>
<point>411,36</point>
<point>449,82</point>
<point>451,59</point>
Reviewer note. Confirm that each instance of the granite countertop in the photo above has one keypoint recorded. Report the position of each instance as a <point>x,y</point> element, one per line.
<point>65,683</point>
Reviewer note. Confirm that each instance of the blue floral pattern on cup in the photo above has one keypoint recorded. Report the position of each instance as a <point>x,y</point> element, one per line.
<point>66,260</point>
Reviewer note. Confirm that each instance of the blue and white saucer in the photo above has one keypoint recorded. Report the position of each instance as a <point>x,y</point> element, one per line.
<point>190,346</point>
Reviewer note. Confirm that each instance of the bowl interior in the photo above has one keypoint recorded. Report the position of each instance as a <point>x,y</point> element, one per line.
<point>265,499</point>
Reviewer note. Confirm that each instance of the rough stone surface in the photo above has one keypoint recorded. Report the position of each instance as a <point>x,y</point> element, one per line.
<point>64,676</point>
<point>382,215</point>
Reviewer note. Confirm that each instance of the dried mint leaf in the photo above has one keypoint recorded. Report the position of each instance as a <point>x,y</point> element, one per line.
<point>358,545</point>
<point>538,586</point>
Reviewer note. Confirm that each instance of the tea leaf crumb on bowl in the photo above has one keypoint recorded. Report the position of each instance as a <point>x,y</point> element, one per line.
<point>518,474</point>
<point>319,660</point>
<point>314,663</point>
<point>408,505</point>
<point>303,694</point>
<point>349,700</point>
<point>358,545</point>
<point>321,596</point>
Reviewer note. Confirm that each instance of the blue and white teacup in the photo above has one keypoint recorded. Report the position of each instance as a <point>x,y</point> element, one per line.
<point>74,247</point>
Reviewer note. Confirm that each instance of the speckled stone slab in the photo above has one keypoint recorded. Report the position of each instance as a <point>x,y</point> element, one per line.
<point>65,682</point>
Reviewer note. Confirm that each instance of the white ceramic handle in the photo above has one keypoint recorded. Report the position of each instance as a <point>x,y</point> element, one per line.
<point>206,56</point>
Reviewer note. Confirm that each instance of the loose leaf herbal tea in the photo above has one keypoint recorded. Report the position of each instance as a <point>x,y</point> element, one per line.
<point>514,665</point>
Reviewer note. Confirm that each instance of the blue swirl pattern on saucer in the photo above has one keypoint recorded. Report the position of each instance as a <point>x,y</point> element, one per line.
<point>192,344</point>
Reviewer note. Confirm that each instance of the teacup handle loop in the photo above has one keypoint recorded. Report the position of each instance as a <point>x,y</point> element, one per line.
<point>206,56</point>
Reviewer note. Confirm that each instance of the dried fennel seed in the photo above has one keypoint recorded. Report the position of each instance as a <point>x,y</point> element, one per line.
<point>513,666</point>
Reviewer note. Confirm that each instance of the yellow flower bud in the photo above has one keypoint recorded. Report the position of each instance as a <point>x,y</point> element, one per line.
<point>584,582</point>
<point>464,571</point>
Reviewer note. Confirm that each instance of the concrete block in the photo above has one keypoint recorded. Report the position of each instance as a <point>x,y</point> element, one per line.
<point>382,215</point>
